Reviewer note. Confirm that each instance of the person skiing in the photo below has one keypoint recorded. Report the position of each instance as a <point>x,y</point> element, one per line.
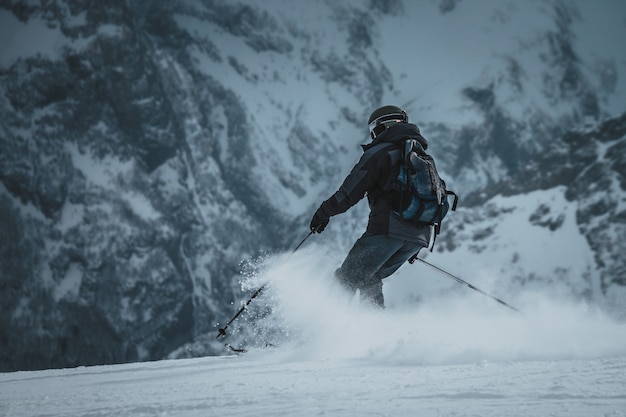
<point>389,240</point>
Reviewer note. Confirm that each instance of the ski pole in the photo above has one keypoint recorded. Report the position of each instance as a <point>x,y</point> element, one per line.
<point>222,331</point>
<point>459,280</point>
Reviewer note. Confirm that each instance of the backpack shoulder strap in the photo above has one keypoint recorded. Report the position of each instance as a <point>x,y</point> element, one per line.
<point>456,199</point>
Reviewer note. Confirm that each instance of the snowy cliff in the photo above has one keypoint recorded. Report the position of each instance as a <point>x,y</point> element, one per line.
<point>147,149</point>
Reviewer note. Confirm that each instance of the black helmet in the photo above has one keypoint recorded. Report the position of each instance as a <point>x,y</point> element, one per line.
<point>384,117</point>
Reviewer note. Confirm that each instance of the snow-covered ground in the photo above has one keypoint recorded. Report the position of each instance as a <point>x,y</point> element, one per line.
<point>267,385</point>
<point>455,353</point>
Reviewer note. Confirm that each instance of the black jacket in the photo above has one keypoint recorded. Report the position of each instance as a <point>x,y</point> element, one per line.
<point>371,176</point>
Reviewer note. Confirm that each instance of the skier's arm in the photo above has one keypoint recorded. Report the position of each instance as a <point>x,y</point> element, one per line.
<point>361,179</point>
<point>351,191</point>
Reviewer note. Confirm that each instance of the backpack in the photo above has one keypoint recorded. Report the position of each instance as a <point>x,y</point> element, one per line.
<point>418,194</point>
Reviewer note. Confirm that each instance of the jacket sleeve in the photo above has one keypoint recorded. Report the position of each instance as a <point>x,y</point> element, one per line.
<point>364,177</point>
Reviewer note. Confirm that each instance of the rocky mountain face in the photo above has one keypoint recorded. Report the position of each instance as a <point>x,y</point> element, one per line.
<point>589,163</point>
<point>147,148</point>
<point>134,181</point>
<point>511,124</point>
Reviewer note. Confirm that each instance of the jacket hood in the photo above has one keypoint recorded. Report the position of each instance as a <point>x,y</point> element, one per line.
<point>398,133</point>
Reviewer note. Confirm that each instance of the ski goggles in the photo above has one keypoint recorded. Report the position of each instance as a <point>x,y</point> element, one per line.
<point>394,117</point>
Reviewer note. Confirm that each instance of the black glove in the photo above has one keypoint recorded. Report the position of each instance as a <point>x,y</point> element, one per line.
<point>319,221</point>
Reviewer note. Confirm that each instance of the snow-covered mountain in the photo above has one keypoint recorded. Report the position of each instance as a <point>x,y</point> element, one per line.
<point>147,149</point>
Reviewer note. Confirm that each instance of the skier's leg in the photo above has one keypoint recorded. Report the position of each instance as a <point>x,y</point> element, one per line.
<point>373,293</point>
<point>396,260</point>
<point>372,290</point>
<point>367,257</point>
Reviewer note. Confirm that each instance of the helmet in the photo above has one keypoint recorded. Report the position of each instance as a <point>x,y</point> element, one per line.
<point>384,117</point>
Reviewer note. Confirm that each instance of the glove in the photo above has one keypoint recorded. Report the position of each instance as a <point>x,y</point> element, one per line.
<point>319,221</point>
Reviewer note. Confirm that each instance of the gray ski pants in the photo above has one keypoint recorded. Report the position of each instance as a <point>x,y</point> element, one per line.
<point>372,258</point>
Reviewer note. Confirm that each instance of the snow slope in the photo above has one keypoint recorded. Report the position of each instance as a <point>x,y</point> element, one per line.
<point>261,385</point>
<point>451,354</point>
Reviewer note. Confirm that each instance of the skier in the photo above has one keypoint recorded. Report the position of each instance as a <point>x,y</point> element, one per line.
<point>389,240</point>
